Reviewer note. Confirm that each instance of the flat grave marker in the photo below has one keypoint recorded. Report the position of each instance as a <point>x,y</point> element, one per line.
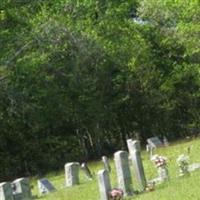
<point>154,142</point>
<point>194,167</point>
<point>45,186</point>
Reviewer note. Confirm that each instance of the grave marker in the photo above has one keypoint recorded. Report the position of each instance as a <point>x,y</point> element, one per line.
<point>72,174</point>
<point>123,172</point>
<point>22,189</point>
<point>161,166</point>
<point>193,167</point>
<point>45,186</point>
<point>165,141</point>
<point>154,142</point>
<point>134,150</point>
<point>104,184</point>
<point>6,191</point>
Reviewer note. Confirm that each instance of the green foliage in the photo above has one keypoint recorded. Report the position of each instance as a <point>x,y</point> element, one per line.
<point>86,74</point>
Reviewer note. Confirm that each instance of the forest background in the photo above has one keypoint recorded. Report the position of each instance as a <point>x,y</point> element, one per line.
<point>79,77</point>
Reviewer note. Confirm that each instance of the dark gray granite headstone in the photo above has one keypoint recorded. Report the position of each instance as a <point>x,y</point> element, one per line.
<point>21,189</point>
<point>154,142</point>
<point>45,186</point>
<point>6,191</point>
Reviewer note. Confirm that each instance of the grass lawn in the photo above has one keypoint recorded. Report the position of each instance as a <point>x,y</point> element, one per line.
<point>178,188</point>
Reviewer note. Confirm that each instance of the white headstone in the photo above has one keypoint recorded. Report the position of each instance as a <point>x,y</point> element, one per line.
<point>106,163</point>
<point>134,150</point>
<point>45,186</point>
<point>22,189</point>
<point>72,174</point>
<point>104,184</point>
<point>6,191</point>
<point>123,172</point>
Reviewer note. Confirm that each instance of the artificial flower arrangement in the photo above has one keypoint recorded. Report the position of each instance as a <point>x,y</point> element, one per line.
<point>161,164</point>
<point>159,161</point>
<point>183,163</point>
<point>116,194</point>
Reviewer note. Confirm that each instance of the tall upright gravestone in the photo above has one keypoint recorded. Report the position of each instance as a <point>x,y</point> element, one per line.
<point>6,191</point>
<point>104,184</point>
<point>72,174</point>
<point>123,172</point>
<point>134,150</point>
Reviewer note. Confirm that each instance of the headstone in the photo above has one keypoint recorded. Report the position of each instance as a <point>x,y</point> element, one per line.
<point>150,150</point>
<point>86,171</point>
<point>193,167</point>
<point>163,173</point>
<point>154,142</point>
<point>165,141</point>
<point>22,190</point>
<point>45,186</point>
<point>161,165</point>
<point>106,163</point>
<point>6,191</point>
<point>134,150</point>
<point>123,172</point>
<point>72,174</point>
<point>104,184</point>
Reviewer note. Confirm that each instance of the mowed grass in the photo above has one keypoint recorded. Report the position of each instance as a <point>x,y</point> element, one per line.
<point>177,188</point>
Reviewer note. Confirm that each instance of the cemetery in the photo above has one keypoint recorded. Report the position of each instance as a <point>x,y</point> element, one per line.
<point>129,174</point>
<point>99,100</point>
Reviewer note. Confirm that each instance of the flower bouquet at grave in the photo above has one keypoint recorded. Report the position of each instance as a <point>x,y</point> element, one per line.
<point>159,161</point>
<point>161,164</point>
<point>183,163</point>
<point>116,194</point>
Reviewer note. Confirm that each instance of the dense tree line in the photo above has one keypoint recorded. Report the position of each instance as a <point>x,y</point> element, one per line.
<point>79,77</point>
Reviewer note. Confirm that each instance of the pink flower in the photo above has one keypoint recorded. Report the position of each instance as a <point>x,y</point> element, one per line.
<point>116,194</point>
<point>159,160</point>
